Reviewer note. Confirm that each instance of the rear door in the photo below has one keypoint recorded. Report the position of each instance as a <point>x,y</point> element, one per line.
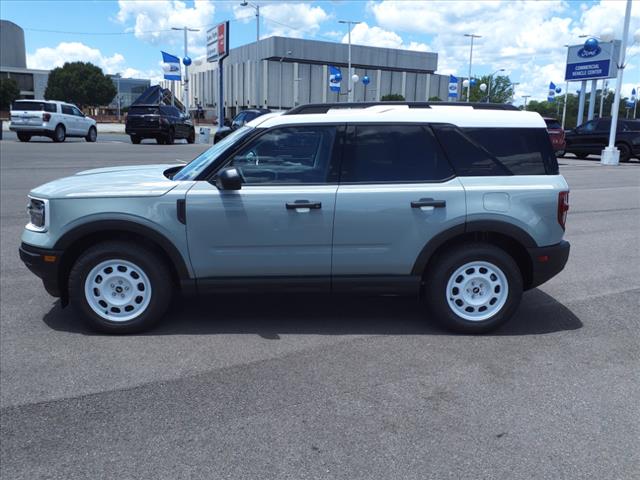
<point>397,191</point>
<point>70,120</point>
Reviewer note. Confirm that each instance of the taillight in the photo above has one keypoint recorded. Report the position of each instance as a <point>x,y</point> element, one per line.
<point>46,117</point>
<point>563,208</point>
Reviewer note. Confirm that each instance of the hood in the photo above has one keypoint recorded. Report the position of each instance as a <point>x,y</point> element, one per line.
<point>135,181</point>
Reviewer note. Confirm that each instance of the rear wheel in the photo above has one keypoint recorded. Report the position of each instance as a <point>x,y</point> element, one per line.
<point>135,140</point>
<point>474,288</point>
<point>170,137</point>
<point>92,135</point>
<point>24,137</point>
<point>59,134</point>
<point>625,152</point>
<point>160,140</point>
<point>192,136</point>
<point>582,156</point>
<point>120,287</point>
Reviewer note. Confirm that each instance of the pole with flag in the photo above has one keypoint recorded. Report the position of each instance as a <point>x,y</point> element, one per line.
<point>335,77</point>
<point>171,67</point>
<point>453,87</point>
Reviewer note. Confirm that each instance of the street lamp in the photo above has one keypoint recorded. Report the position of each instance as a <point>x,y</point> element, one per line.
<point>472,36</point>
<point>611,155</point>
<point>281,59</point>
<point>525,100</point>
<point>258,72</point>
<point>490,80</point>
<point>350,76</point>
<point>186,61</point>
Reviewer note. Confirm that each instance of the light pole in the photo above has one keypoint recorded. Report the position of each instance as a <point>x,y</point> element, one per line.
<point>280,94</point>
<point>526,97</point>
<point>186,61</point>
<point>605,86</point>
<point>117,75</point>
<point>349,23</point>
<point>611,155</point>
<point>258,63</point>
<point>490,80</point>
<point>472,36</point>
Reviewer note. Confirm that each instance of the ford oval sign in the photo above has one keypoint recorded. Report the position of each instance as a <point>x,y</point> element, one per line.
<point>588,54</point>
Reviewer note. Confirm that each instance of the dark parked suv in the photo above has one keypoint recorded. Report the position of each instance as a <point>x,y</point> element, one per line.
<point>165,123</point>
<point>238,121</point>
<point>593,136</point>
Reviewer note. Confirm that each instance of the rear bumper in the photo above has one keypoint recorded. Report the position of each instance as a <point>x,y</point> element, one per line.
<point>31,129</point>
<point>547,262</point>
<point>143,131</point>
<point>44,263</point>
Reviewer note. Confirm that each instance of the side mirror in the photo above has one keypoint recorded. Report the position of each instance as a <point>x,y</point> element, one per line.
<point>227,122</point>
<point>229,179</point>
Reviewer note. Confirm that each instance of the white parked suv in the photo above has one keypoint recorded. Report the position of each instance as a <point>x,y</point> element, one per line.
<point>53,119</point>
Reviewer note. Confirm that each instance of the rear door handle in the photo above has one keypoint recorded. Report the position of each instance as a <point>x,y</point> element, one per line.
<point>304,204</point>
<point>429,202</point>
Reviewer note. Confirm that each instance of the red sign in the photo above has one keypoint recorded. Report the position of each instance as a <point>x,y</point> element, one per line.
<point>218,42</point>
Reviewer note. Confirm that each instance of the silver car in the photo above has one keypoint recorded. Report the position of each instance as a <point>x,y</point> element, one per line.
<point>460,204</point>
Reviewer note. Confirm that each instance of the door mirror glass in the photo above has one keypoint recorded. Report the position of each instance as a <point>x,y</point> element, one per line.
<point>229,179</point>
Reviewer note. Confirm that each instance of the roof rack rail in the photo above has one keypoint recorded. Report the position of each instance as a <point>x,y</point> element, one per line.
<point>325,107</point>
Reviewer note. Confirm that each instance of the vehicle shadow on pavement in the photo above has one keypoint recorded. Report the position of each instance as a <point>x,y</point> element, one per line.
<point>271,315</point>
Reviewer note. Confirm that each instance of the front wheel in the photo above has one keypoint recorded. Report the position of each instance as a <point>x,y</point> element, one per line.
<point>92,135</point>
<point>625,152</point>
<point>192,136</point>
<point>474,288</point>
<point>170,137</point>
<point>120,287</point>
<point>135,140</point>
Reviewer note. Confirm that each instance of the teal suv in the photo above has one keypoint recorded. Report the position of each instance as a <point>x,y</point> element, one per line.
<point>459,204</point>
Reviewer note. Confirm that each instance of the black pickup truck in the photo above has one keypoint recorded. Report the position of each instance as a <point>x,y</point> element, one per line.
<point>591,137</point>
<point>156,115</point>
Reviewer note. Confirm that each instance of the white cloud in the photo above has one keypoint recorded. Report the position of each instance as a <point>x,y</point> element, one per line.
<point>363,34</point>
<point>154,19</point>
<point>47,58</point>
<point>285,19</point>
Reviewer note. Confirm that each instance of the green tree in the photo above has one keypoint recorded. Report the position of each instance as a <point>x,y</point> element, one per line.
<point>9,91</point>
<point>501,89</point>
<point>392,97</point>
<point>435,99</point>
<point>81,83</point>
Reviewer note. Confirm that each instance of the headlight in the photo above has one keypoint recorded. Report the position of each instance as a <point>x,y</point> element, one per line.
<point>38,214</point>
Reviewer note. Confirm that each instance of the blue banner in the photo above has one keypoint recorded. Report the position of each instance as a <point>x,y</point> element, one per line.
<point>551,96</point>
<point>334,78</point>
<point>171,67</point>
<point>453,86</point>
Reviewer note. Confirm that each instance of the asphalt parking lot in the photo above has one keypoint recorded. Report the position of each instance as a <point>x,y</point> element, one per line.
<point>309,387</point>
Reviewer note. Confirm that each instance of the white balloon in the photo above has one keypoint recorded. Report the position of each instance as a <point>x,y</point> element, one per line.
<point>465,83</point>
<point>607,35</point>
<point>483,87</point>
<point>355,78</point>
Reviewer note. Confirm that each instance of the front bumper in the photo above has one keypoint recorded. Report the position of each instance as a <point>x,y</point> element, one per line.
<point>547,262</point>
<point>46,264</point>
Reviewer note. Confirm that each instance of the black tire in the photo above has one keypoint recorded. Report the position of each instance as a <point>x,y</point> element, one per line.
<point>625,151</point>
<point>560,153</point>
<point>582,156</point>
<point>170,137</point>
<point>92,135</point>
<point>144,263</point>
<point>24,137</point>
<point>160,140</point>
<point>192,136</point>
<point>438,297</point>
<point>135,140</point>
<point>59,134</point>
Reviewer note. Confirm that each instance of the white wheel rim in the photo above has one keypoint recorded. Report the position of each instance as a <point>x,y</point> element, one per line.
<point>477,291</point>
<point>117,290</point>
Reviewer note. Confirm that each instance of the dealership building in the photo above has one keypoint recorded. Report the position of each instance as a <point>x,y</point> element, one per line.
<point>296,71</point>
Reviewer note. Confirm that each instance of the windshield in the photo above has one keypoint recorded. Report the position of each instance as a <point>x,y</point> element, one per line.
<point>200,163</point>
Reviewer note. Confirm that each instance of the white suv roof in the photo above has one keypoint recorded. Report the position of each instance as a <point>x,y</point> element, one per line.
<point>461,115</point>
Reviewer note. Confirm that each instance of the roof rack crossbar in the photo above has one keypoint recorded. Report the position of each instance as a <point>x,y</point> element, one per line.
<point>325,107</point>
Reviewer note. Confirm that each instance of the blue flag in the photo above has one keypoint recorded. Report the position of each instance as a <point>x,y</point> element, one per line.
<point>552,92</point>
<point>453,86</point>
<point>171,67</point>
<point>334,78</point>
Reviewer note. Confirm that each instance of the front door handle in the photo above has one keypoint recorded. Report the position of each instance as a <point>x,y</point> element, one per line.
<point>429,202</point>
<point>304,204</point>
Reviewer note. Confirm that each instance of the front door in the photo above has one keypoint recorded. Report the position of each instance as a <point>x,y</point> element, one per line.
<point>280,223</point>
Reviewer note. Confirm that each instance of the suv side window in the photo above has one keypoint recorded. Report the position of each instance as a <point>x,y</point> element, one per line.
<point>239,120</point>
<point>393,153</point>
<point>588,127</point>
<point>67,110</point>
<point>77,112</point>
<point>287,155</point>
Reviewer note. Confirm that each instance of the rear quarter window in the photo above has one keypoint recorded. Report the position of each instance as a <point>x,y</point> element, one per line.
<point>498,151</point>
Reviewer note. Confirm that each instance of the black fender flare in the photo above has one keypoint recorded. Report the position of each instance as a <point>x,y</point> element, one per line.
<point>127,226</point>
<point>492,226</point>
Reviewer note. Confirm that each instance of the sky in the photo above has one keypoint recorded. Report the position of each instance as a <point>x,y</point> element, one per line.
<point>526,38</point>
